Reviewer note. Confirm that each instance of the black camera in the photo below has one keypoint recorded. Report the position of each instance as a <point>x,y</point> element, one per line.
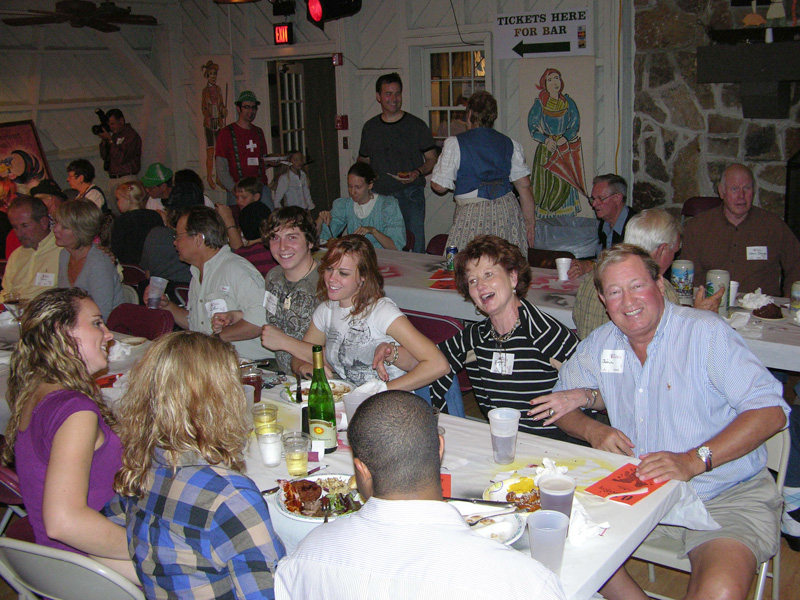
<point>104,126</point>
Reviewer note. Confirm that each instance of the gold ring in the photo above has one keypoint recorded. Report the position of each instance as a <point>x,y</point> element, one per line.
<point>552,412</point>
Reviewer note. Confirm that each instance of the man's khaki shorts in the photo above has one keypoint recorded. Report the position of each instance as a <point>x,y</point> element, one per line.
<point>749,512</point>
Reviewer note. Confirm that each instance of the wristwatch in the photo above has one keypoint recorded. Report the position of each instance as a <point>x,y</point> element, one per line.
<point>704,454</point>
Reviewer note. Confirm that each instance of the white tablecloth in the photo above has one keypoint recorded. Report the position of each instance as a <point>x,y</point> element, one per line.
<point>468,458</point>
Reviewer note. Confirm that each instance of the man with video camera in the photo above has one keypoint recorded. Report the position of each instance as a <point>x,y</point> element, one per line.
<point>120,149</point>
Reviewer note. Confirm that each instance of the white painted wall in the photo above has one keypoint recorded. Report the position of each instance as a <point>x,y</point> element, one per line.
<point>57,75</point>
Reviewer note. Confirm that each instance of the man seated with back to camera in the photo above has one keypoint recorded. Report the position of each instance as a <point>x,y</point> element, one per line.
<point>405,542</point>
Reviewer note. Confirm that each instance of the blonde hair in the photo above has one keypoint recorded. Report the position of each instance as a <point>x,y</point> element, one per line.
<point>48,354</point>
<point>134,193</point>
<point>175,406</point>
<point>83,218</point>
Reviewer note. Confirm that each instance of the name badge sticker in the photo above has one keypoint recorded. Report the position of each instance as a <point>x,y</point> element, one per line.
<point>252,161</point>
<point>612,361</point>
<point>503,363</point>
<point>225,289</point>
<point>45,279</point>
<point>756,253</point>
<point>270,302</point>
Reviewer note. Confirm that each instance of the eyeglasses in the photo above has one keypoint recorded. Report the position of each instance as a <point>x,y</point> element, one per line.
<point>177,235</point>
<point>593,200</point>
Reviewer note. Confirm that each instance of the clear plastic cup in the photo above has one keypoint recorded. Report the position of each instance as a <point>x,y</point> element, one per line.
<point>547,533</point>
<point>295,448</point>
<point>270,443</point>
<point>556,492</point>
<point>157,287</point>
<point>264,414</point>
<point>504,424</point>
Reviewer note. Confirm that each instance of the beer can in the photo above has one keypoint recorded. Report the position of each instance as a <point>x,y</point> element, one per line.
<point>795,299</point>
<point>450,257</point>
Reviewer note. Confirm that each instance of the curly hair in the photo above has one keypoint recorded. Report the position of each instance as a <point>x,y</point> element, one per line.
<point>176,407</point>
<point>499,251</point>
<point>484,109</point>
<point>359,248</point>
<point>48,354</point>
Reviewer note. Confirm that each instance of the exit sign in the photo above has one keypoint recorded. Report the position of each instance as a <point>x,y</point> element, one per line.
<point>283,34</point>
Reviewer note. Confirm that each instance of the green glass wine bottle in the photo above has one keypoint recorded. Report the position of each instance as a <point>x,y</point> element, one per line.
<point>321,411</point>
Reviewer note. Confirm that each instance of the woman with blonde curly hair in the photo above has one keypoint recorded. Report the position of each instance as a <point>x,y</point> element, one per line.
<point>197,526</point>
<point>60,431</point>
<point>354,317</point>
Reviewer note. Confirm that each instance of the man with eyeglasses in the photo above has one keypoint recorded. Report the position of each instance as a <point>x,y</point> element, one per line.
<point>752,244</point>
<point>608,201</point>
<point>240,150</point>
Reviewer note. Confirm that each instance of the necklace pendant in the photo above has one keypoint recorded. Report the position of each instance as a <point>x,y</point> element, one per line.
<point>287,304</point>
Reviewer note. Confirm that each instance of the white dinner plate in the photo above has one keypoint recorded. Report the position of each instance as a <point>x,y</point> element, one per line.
<point>506,529</point>
<point>290,390</point>
<point>298,517</point>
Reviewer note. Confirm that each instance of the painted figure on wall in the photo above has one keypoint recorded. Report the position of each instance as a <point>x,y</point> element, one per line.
<point>215,111</point>
<point>557,170</point>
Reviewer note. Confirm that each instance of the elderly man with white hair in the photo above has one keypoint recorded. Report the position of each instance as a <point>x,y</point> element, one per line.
<point>657,232</point>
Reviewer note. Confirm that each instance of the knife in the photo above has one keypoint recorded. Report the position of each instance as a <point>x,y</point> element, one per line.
<point>277,487</point>
<point>479,501</point>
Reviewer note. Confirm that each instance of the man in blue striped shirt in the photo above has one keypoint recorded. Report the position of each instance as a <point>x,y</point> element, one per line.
<point>686,395</point>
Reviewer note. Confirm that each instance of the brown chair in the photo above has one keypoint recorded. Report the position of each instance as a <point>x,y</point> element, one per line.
<point>698,204</point>
<point>138,320</point>
<point>437,245</point>
<point>546,259</point>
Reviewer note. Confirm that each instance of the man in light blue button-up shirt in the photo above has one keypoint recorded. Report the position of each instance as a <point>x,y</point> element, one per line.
<point>687,396</point>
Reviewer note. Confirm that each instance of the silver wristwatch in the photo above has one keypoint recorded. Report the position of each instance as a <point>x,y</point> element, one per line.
<point>704,454</point>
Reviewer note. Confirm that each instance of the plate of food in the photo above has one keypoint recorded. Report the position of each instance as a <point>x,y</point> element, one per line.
<point>769,312</point>
<point>339,388</point>
<point>519,490</point>
<point>310,498</point>
<point>505,529</point>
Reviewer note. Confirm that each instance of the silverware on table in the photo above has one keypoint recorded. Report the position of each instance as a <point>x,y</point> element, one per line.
<point>479,501</point>
<point>500,514</point>
<point>277,487</point>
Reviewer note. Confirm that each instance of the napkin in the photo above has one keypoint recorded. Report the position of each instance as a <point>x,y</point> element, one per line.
<point>754,300</point>
<point>549,468</point>
<point>118,351</point>
<point>738,320</point>
<point>581,525</point>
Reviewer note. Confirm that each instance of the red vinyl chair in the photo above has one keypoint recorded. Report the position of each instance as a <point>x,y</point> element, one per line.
<point>138,320</point>
<point>132,275</point>
<point>698,204</point>
<point>437,245</point>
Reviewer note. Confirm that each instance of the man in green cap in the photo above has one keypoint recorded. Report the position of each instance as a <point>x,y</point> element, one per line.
<point>241,148</point>
<point>157,182</point>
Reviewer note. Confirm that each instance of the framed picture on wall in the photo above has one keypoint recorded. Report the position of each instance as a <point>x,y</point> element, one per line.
<point>22,159</point>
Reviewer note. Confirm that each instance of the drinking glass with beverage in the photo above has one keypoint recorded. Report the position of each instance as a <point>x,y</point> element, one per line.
<point>556,492</point>
<point>295,448</point>
<point>503,424</point>
<point>270,443</point>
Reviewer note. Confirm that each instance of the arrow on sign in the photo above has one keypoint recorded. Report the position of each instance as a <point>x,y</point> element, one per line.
<point>522,49</point>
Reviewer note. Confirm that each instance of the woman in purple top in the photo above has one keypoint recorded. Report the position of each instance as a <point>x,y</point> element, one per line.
<point>60,430</point>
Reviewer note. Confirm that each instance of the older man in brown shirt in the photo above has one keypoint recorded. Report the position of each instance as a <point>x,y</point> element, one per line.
<point>754,245</point>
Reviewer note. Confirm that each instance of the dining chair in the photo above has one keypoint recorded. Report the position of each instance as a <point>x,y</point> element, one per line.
<point>129,294</point>
<point>10,496</point>
<point>132,275</point>
<point>437,245</point>
<point>546,259</point>
<point>182,292</point>
<point>698,204</point>
<point>34,570</point>
<point>138,320</point>
<point>664,551</point>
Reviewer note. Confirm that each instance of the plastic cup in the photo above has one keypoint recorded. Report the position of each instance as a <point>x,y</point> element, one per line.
<point>734,290</point>
<point>264,414</point>
<point>157,287</point>
<point>351,403</point>
<point>563,265</point>
<point>547,533</point>
<point>556,492</point>
<point>503,425</point>
<point>295,448</point>
<point>270,443</point>
<point>254,378</point>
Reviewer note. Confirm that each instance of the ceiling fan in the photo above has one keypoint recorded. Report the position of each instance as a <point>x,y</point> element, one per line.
<point>83,13</point>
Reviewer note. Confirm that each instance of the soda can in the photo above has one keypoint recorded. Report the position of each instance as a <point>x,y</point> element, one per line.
<point>795,299</point>
<point>450,257</point>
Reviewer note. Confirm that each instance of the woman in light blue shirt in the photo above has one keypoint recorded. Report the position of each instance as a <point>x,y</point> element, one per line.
<point>376,217</point>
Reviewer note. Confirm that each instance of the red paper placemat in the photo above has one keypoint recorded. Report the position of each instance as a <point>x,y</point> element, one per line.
<point>444,284</point>
<point>622,480</point>
<point>442,274</point>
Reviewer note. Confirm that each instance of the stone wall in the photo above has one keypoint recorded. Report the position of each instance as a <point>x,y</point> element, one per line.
<point>686,133</point>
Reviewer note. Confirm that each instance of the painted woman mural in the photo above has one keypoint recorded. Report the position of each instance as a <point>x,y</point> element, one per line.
<point>214,113</point>
<point>557,170</point>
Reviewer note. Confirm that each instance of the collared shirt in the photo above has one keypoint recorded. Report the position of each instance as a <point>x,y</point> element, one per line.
<point>30,272</point>
<point>753,252</point>
<point>614,235</point>
<point>229,282</point>
<point>589,312</point>
<point>409,549</point>
<point>200,531</point>
<point>699,376</point>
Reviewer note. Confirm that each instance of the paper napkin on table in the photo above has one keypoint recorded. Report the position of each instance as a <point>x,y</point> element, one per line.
<point>581,525</point>
<point>549,468</point>
<point>118,350</point>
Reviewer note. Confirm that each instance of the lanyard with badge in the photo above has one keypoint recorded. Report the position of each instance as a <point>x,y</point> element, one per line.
<point>503,362</point>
